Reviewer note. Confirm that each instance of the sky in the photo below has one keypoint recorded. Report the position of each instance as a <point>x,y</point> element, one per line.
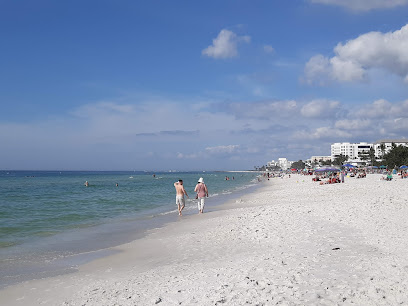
<point>197,85</point>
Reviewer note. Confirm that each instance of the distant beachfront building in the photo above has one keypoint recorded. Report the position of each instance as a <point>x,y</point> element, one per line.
<point>272,164</point>
<point>356,150</point>
<point>282,163</point>
<point>316,159</point>
<point>382,147</point>
<point>353,150</point>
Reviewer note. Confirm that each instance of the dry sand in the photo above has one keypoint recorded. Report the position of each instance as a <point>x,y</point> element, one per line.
<point>292,242</point>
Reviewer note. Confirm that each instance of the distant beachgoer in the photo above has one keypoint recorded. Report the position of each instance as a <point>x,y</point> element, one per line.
<point>202,192</point>
<point>342,176</point>
<point>180,192</point>
<point>117,184</point>
<point>86,184</point>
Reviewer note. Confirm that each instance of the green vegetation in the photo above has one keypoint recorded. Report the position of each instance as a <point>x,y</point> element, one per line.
<point>300,165</point>
<point>325,163</point>
<point>340,159</point>
<point>397,157</point>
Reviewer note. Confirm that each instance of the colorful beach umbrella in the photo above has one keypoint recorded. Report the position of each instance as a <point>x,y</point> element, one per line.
<point>403,167</point>
<point>327,169</point>
<point>349,166</point>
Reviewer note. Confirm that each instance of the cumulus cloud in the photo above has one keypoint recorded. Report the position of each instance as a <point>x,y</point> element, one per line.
<point>225,45</point>
<point>363,5</point>
<point>380,118</point>
<point>318,108</point>
<point>159,133</point>
<point>378,109</point>
<point>383,109</point>
<point>353,124</point>
<point>322,133</point>
<point>352,60</point>
<point>317,69</point>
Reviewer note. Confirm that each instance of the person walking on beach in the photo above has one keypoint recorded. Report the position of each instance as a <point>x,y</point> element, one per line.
<point>180,192</point>
<point>342,176</point>
<point>202,192</point>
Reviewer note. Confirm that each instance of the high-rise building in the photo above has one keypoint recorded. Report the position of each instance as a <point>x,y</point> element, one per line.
<point>357,151</point>
<point>384,146</point>
<point>354,151</point>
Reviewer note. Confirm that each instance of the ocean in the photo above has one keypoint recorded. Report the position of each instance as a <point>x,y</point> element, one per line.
<point>50,222</point>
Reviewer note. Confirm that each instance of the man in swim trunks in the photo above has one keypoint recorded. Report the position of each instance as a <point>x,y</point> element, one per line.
<point>180,192</point>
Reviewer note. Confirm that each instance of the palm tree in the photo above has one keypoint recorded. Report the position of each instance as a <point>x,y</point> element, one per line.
<point>382,148</point>
<point>340,159</point>
<point>371,155</point>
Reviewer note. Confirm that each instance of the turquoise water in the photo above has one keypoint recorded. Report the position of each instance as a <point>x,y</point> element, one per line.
<point>47,215</point>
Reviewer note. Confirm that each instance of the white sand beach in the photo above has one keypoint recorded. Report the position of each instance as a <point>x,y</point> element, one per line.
<point>292,242</point>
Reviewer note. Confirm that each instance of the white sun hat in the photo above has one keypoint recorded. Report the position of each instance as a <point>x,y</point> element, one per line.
<point>201,180</point>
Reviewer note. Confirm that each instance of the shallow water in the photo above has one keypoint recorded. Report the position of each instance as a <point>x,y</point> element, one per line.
<point>48,218</point>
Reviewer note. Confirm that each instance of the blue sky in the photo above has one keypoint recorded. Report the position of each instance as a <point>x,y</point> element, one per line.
<point>193,85</point>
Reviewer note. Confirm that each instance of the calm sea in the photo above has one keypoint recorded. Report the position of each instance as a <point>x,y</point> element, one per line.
<point>50,222</point>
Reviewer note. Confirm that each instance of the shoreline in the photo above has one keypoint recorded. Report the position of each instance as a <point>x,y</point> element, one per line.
<point>292,241</point>
<point>83,245</point>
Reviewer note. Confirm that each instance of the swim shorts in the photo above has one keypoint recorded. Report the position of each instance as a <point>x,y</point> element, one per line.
<point>180,200</point>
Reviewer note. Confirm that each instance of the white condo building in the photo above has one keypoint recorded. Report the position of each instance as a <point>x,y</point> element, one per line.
<point>387,145</point>
<point>353,150</point>
<point>282,162</point>
<point>356,150</point>
<point>320,158</point>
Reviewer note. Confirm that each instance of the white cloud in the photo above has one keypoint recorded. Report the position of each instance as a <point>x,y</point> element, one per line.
<point>319,108</point>
<point>222,149</point>
<point>182,134</point>
<point>316,69</point>
<point>363,5</point>
<point>344,70</point>
<point>378,109</point>
<point>268,49</point>
<point>352,60</point>
<point>225,45</point>
<point>383,109</point>
<point>354,125</point>
<point>264,110</point>
<point>321,133</point>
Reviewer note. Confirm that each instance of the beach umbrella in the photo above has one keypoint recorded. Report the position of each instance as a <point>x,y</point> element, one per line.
<point>349,166</point>
<point>327,169</point>
<point>383,167</point>
<point>403,167</point>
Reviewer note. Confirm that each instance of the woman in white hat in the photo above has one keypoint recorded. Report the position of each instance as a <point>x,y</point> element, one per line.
<point>202,192</point>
